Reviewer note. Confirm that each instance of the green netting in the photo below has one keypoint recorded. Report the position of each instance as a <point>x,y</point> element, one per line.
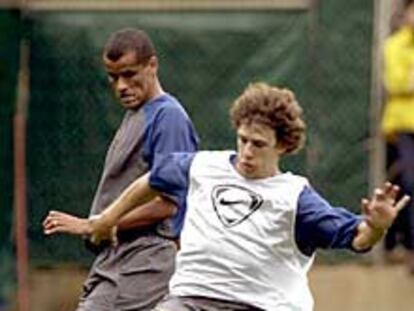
<point>206,59</point>
<point>341,93</point>
<point>9,56</point>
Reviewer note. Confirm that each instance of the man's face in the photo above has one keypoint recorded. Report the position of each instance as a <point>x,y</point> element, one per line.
<point>257,151</point>
<point>133,83</point>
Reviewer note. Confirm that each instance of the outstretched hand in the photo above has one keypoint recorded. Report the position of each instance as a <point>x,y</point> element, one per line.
<point>60,222</point>
<point>381,211</point>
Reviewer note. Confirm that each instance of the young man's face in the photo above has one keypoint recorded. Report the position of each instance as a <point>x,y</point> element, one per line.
<point>257,151</point>
<point>133,83</point>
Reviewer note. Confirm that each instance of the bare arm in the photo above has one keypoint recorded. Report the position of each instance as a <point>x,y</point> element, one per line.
<point>141,215</point>
<point>137,193</point>
<point>379,214</point>
<point>60,222</point>
<point>147,214</point>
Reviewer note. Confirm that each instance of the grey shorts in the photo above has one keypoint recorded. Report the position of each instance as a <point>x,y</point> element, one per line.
<point>174,303</point>
<point>132,276</point>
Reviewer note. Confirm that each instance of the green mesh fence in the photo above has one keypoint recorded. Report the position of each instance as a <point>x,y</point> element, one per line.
<point>206,59</point>
<point>9,56</point>
<point>339,117</point>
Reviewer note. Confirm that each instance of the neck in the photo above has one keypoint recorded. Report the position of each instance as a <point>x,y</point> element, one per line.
<point>272,172</point>
<point>272,169</point>
<point>267,173</point>
<point>157,90</point>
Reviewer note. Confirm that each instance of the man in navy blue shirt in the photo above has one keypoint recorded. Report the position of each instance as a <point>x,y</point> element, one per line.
<point>251,230</point>
<point>135,274</point>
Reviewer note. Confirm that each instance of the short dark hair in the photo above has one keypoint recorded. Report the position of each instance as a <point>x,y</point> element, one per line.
<point>274,107</point>
<point>128,40</point>
<point>408,3</point>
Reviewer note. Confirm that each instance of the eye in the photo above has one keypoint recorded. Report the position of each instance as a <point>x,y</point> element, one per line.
<point>259,144</point>
<point>112,77</point>
<point>243,140</point>
<point>128,74</point>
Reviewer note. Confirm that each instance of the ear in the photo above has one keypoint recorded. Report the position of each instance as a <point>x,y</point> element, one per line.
<point>280,148</point>
<point>153,63</point>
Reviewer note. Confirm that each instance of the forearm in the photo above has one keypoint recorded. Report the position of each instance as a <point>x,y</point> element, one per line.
<point>137,194</point>
<point>366,236</point>
<point>147,214</point>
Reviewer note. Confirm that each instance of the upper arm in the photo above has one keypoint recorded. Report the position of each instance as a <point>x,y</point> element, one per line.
<point>319,225</point>
<point>170,173</point>
<point>172,131</point>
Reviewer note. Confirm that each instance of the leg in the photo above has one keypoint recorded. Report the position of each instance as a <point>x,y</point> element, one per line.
<point>405,146</point>
<point>100,289</point>
<point>175,303</point>
<point>146,268</point>
<point>394,176</point>
<point>133,276</point>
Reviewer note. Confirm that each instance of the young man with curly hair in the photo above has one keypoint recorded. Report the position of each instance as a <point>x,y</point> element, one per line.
<point>251,230</point>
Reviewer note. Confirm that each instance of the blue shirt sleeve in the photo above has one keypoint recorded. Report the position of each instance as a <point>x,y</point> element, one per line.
<point>319,225</point>
<point>170,173</point>
<point>172,131</point>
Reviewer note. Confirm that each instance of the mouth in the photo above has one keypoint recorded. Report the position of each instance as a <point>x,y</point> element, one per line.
<point>246,166</point>
<point>128,99</point>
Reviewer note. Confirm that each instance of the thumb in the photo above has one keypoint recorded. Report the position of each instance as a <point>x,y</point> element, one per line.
<point>402,203</point>
<point>365,206</point>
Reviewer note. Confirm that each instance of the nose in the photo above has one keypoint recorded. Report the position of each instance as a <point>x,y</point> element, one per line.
<point>121,85</point>
<point>248,151</point>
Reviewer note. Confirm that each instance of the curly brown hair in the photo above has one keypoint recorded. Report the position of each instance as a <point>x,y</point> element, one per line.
<point>274,107</point>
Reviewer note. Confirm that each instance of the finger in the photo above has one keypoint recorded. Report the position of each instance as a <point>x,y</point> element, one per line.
<point>114,236</point>
<point>52,231</point>
<point>47,226</point>
<point>95,239</point>
<point>58,214</point>
<point>365,206</point>
<point>92,239</point>
<point>50,215</point>
<point>114,241</point>
<point>402,202</point>
<point>46,221</point>
<point>387,187</point>
<point>379,194</point>
<point>392,193</point>
<point>50,221</point>
<point>47,231</point>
